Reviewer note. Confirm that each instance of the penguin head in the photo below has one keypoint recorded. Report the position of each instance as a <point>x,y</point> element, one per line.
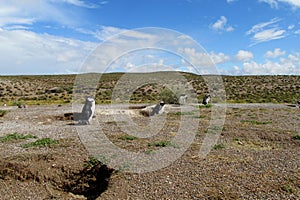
<point>162,103</point>
<point>89,100</point>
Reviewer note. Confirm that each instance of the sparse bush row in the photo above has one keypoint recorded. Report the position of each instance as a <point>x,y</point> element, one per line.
<point>240,89</point>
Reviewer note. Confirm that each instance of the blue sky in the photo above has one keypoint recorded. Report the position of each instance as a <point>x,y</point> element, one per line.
<point>242,37</point>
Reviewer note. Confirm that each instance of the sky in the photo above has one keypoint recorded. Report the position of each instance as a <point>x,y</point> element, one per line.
<point>241,37</point>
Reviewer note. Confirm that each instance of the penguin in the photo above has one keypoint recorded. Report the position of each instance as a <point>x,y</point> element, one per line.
<point>21,106</point>
<point>182,99</point>
<point>206,99</point>
<point>88,111</point>
<point>158,108</point>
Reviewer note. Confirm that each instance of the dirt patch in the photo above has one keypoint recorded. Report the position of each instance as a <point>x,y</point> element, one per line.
<point>63,177</point>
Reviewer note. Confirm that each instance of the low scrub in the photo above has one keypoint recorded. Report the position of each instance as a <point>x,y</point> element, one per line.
<point>219,146</point>
<point>205,106</point>
<point>128,137</point>
<point>2,112</point>
<point>296,137</point>
<point>164,143</point>
<point>91,162</point>
<point>16,136</point>
<point>45,142</point>
<point>184,113</point>
<point>256,122</point>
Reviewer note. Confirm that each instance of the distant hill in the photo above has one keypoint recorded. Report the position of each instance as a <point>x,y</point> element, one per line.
<point>48,89</point>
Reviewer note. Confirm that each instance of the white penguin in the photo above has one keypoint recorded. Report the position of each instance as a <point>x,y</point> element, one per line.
<point>182,99</point>
<point>88,111</point>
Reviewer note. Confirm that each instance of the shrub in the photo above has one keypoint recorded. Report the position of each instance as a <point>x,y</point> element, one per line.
<point>205,106</point>
<point>184,113</point>
<point>169,97</point>
<point>256,122</point>
<point>16,136</point>
<point>45,142</point>
<point>219,146</point>
<point>16,103</point>
<point>2,112</point>
<point>163,143</point>
<point>296,137</point>
<point>128,137</point>
<point>91,162</point>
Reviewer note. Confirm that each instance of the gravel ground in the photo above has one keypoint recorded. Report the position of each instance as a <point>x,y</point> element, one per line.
<point>255,156</point>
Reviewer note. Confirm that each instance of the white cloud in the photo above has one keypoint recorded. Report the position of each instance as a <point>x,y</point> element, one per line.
<point>204,60</point>
<point>237,69</point>
<point>243,55</point>
<point>232,70</point>
<point>81,3</point>
<point>105,33</point>
<point>152,67</point>
<point>27,13</point>
<point>286,66</point>
<point>10,14</point>
<point>275,3</point>
<point>230,1</point>
<point>297,31</point>
<point>132,48</point>
<point>295,3</point>
<point>272,3</point>
<point>24,52</point>
<point>204,63</point>
<point>229,29</point>
<point>259,27</point>
<point>269,34</point>
<point>219,57</point>
<point>290,27</point>
<point>274,54</point>
<point>266,31</point>
<point>221,25</point>
<point>78,3</point>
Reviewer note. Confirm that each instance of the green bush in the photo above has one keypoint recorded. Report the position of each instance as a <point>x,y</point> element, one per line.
<point>128,137</point>
<point>2,112</point>
<point>45,142</point>
<point>163,143</point>
<point>168,96</point>
<point>16,136</point>
<point>256,122</point>
<point>219,146</point>
<point>296,137</point>
<point>91,162</point>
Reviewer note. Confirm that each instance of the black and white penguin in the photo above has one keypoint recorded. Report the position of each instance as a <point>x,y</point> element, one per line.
<point>88,111</point>
<point>158,108</point>
<point>206,99</point>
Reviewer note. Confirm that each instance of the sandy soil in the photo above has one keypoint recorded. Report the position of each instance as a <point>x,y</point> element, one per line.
<point>255,157</point>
